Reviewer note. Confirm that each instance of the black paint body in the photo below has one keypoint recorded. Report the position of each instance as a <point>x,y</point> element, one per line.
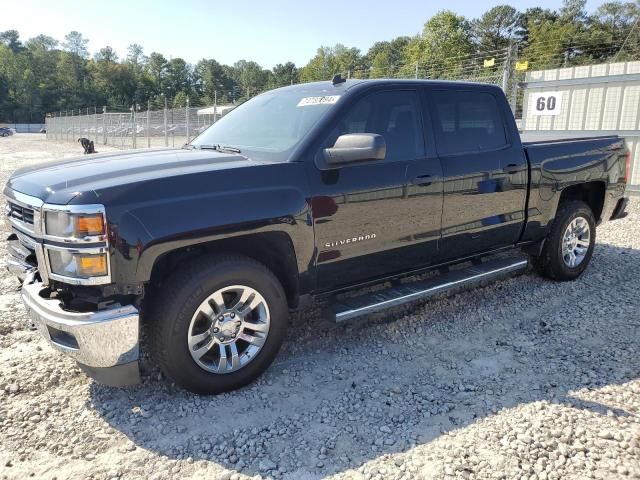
<point>417,213</point>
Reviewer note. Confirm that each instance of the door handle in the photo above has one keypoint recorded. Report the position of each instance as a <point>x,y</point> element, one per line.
<point>422,180</point>
<point>511,169</point>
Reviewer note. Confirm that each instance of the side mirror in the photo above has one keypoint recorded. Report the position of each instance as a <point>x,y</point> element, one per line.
<point>356,147</point>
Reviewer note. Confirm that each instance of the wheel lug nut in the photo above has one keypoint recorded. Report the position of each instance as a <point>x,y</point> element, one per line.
<point>233,315</point>
<point>238,324</point>
<point>216,330</point>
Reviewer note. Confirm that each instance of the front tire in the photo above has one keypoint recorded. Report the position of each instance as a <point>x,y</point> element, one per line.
<point>218,323</point>
<point>569,246</point>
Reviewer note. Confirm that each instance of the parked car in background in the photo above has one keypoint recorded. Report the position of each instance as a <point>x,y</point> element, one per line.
<point>6,131</point>
<point>301,193</point>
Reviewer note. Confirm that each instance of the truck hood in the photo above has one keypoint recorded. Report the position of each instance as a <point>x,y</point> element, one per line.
<point>61,181</point>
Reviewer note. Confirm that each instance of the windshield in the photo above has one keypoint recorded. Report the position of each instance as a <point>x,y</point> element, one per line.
<point>268,126</point>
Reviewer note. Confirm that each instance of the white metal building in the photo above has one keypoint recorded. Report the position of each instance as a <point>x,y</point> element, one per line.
<point>585,101</point>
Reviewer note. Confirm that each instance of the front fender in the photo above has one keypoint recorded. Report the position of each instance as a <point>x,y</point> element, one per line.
<point>186,215</point>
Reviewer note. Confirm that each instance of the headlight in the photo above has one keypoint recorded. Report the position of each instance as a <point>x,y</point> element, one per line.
<point>77,265</point>
<point>76,244</point>
<point>73,225</point>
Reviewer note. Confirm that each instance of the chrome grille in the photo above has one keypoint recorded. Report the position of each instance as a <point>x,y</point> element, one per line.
<point>20,213</point>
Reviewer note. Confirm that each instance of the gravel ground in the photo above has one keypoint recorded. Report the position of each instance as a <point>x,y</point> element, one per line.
<point>524,378</point>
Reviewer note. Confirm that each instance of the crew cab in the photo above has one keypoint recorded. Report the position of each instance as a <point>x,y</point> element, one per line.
<point>313,191</point>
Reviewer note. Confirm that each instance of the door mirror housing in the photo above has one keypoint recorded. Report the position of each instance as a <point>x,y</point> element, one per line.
<point>355,147</point>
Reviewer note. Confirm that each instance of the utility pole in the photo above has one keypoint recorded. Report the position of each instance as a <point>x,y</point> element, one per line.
<point>148,124</point>
<point>104,124</point>
<point>166,134</point>
<point>133,124</point>
<point>416,70</point>
<point>187,117</point>
<point>505,71</point>
<point>514,90</point>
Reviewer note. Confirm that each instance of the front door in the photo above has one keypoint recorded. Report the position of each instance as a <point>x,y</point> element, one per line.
<point>369,219</point>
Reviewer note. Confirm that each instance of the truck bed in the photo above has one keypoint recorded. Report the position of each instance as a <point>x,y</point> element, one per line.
<point>540,138</point>
<point>566,154</point>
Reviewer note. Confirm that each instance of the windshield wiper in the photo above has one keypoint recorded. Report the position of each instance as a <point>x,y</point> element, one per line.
<point>220,148</point>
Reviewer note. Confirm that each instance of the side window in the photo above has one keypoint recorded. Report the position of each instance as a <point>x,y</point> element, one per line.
<point>467,122</point>
<point>394,115</point>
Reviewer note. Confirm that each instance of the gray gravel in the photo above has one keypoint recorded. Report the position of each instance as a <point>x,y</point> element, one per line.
<point>524,378</point>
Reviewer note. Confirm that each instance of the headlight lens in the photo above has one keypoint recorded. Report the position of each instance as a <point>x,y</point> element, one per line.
<point>73,225</point>
<point>78,265</point>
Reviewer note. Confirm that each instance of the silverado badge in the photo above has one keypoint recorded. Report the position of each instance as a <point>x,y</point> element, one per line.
<point>347,241</point>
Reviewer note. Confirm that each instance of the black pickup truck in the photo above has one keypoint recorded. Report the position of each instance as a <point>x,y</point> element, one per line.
<point>305,192</point>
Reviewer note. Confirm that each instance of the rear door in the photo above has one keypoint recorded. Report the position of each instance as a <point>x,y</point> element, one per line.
<point>484,170</point>
<point>369,220</point>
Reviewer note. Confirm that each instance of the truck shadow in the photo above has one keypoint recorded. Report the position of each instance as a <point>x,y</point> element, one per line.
<point>340,396</point>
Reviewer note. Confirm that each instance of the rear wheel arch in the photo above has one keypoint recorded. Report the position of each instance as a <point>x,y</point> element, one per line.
<point>591,193</point>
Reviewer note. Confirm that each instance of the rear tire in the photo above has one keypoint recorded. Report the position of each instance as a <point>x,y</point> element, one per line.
<point>193,314</point>
<point>569,246</point>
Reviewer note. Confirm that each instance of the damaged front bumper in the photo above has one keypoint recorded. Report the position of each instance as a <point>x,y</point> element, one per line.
<point>105,343</point>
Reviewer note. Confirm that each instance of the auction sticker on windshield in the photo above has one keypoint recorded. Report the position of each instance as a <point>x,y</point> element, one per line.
<point>327,100</point>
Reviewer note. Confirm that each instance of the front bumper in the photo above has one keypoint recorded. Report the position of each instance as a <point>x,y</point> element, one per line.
<point>105,343</point>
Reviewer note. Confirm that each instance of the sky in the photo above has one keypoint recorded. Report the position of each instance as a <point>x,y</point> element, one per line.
<point>268,32</point>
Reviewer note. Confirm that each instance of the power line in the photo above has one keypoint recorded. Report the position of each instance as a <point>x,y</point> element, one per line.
<point>627,38</point>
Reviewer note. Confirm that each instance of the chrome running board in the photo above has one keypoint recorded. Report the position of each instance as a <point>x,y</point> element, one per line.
<point>349,308</point>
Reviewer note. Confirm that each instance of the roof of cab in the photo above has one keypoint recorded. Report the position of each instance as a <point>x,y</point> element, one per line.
<point>328,88</point>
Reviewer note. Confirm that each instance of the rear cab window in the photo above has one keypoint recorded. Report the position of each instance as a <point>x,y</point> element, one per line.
<point>466,121</point>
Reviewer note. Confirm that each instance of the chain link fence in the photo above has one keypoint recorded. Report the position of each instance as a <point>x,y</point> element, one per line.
<point>169,127</point>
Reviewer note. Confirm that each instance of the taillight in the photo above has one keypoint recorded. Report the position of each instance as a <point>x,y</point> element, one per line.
<point>627,167</point>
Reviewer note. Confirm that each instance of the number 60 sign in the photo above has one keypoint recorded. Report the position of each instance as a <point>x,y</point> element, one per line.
<point>546,103</point>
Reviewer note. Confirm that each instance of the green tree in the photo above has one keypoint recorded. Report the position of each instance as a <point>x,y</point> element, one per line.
<point>212,82</point>
<point>71,78</point>
<point>180,100</point>
<point>321,67</point>
<point>41,56</point>
<point>283,74</point>
<point>106,54</point>
<point>135,55</point>
<point>559,40</point>
<point>610,32</point>
<point>381,65</point>
<point>76,44</point>
<point>43,42</point>
<point>574,10</point>
<point>157,69</point>
<point>532,18</point>
<point>348,61</point>
<point>384,59</point>
<point>11,38</point>
<point>178,77</point>
<point>251,78</point>
<point>496,29</point>
<point>445,39</point>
